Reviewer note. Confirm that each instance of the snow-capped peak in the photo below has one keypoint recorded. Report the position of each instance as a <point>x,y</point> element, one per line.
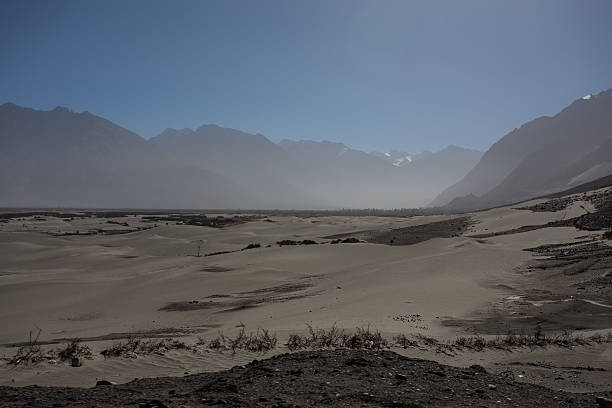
<point>587,97</point>
<point>402,161</point>
<point>344,150</point>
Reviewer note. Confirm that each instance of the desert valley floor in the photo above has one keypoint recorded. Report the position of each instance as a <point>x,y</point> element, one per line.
<point>441,281</point>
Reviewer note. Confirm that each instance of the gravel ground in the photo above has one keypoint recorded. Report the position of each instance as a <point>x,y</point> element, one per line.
<point>337,378</point>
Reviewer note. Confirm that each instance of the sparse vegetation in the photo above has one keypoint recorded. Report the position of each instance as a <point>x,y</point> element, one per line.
<point>200,220</point>
<point>367,339</point>
<point>350,240</point>
<point>260,341</point>
<point>218,253</point>
<point>286,242</point>
<point>264,340</point>
<point>29,353</point>
<point>135,346</point>
<point>537,339</point>
<point>292,242</point>
<point>404,341</point>
<point>252,246</point>
<point>508,342</point>
<point>32,353</point>
<point>75,349</point>
<point>317,339</point>
<point>361,338</point>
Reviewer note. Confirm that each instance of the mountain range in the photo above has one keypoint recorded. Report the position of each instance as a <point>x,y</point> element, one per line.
<point>543,156</point>
<point>60,158</point>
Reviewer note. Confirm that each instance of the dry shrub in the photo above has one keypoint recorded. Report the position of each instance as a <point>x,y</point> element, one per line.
<point>139,346</point>
<point>537,339</point>
<point>366,339</point>
<point>317,339</point>
<point>350,240</point>
<point>30,353</point>
<point>508,342</point>
<point>361,338</point>
<point>252,246</point>
<point>427,341</point>
<point>217,343</point>
<point>75,349</point>
<point>260,341</point>
<point>404,341</point>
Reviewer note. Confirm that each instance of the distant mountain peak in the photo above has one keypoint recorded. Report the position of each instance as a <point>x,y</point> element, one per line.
<point>208,126</point>
<point>173,131</point>
<point>9,105</point>
<point>323,144</point>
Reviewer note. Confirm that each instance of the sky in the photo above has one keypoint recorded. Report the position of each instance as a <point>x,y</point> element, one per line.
<point>375,75</point>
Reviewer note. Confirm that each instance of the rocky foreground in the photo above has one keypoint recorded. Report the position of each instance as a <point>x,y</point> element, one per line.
<point>338,378</point>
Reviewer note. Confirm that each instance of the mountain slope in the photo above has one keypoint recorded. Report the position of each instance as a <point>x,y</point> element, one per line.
<point>546,154</point>
<point>261,168</point>
<point>62,158</point>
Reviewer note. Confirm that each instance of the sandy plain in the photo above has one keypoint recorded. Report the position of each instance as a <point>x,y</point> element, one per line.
<point>103,288</point>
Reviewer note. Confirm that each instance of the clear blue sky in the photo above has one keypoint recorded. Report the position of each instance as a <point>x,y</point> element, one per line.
<point>381,74</point>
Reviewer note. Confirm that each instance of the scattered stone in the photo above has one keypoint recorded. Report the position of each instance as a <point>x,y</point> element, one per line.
<point>478,368</point>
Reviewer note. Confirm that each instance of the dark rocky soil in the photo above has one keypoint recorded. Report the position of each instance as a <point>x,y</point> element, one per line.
<point>597,220</point>
<point>244,300</point>
<point>412,234</point>
<point>338,378</point>
<point>553,205</point>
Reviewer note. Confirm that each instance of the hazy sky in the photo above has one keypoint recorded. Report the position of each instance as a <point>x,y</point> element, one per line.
<point>379,74</point>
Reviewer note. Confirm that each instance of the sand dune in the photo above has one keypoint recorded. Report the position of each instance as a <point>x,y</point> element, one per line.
<point>105,287</point>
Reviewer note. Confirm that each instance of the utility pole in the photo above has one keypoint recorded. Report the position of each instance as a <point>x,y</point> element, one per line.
<point>199,242</point>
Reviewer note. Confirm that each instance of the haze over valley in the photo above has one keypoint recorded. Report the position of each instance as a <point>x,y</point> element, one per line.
<point>61,158</point>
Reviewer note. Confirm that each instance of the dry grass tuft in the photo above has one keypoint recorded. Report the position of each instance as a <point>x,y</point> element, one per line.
<point>260,341</point>
<point>30,353</point>
<point>404,341</point>
<point>251,246</point>
<point>75,349</point>
<point>508,342</point>
<point>367,339</point>
<point>361,338</point>
<point>135,346</point>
